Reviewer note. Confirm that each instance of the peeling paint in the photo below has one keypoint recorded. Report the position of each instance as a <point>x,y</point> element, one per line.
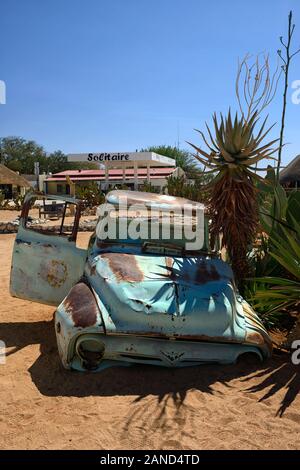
<point>80,304</point>
<point>124,267</point>
<point>255,337</point>
<point>54,271</point>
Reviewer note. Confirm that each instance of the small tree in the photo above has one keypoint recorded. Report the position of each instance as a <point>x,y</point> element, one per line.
<point>183,158</point>
<point>234,147</point>
<point>20,154</point>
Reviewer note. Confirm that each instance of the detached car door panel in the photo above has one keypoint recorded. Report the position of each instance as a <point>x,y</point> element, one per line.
<point>46,264</point>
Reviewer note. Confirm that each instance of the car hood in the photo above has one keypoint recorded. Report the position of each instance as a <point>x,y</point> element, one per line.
<point>188,297</point>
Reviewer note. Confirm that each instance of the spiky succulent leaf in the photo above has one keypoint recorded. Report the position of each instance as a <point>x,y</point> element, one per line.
<point>234,143</point>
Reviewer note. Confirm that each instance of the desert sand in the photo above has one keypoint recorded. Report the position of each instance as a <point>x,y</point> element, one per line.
<point>42,406</point>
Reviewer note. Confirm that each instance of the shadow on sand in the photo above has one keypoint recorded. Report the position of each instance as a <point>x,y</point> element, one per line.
<point>141,381</point>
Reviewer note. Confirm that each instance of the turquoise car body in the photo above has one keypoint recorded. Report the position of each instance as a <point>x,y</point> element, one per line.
<point>124,301</point>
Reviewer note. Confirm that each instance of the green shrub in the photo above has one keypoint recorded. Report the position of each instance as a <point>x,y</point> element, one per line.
<point>148,188</point>
<point>178,186</point>
<point>274,289</point>
<point>90,194</point>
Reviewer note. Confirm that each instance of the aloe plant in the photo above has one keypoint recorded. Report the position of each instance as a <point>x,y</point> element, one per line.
<point>234,151</point>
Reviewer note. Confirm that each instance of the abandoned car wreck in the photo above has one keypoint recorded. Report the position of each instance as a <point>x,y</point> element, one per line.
<point>136,300</point>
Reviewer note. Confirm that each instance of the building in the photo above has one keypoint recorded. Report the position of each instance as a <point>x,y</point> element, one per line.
<point>11,182</point>
<point>132,170</point>
<point>58,184</point>
<point>32,180</point>
<point>289,177</point>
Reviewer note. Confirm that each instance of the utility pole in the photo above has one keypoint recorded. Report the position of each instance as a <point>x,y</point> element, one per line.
<point>37,174</point>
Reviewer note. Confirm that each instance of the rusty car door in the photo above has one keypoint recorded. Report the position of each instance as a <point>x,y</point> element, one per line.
<point>46,264</point>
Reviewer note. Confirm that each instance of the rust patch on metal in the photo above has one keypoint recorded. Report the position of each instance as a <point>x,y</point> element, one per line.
<point>93,270</point>
<point>55,272</point>
<point>169,262</point>
<point>170,271</point>
<point>255,337</point>
<point>124,266</point>
<point>81,305</point>
<point>259,338</point>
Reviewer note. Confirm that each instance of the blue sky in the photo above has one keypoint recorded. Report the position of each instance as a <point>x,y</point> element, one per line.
<point>118,75</point>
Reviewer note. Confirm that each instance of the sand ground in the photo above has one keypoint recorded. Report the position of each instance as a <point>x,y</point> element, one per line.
<point>43,406</point>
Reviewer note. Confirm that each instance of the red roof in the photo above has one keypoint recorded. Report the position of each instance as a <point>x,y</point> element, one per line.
<point>96,175</point>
